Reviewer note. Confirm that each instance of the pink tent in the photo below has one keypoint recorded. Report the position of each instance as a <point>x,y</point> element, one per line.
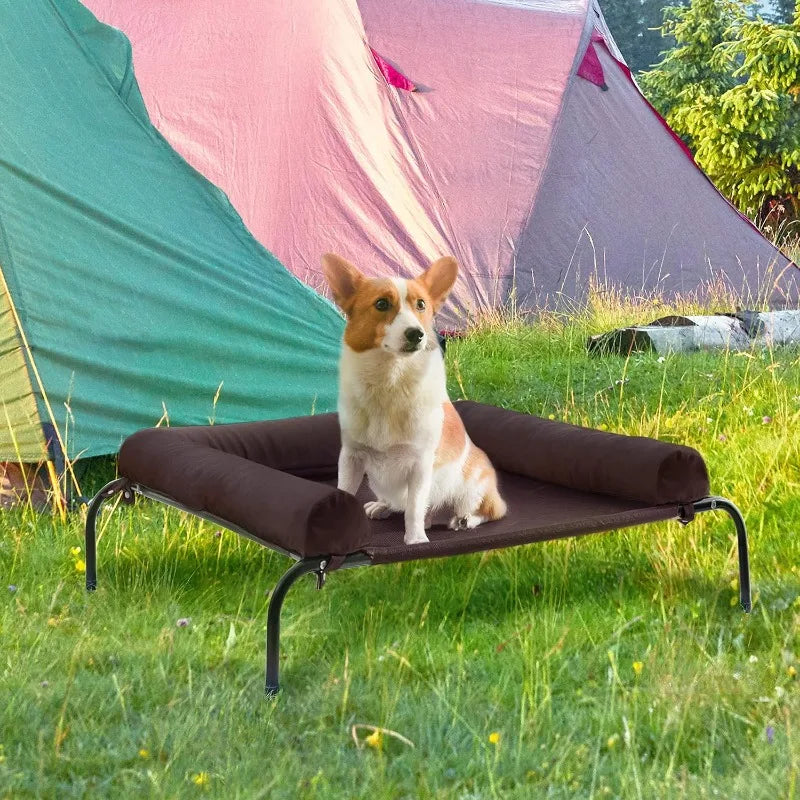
<point>527,150</point>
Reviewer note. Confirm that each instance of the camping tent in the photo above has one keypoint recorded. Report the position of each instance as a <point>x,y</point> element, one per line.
<point>130,290</point>
<point>527,150</point>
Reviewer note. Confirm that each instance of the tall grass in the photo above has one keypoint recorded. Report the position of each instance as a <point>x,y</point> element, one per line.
<point>610,666</point>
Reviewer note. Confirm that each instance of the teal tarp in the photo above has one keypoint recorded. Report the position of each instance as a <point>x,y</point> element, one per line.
<point>139,289</point>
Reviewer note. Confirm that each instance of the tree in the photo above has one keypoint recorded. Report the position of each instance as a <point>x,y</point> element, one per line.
<point>730,88</point>
<point>781,10</point>
<point>634,24</point>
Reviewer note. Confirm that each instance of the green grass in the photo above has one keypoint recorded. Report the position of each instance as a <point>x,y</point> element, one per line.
<point>535,643</point>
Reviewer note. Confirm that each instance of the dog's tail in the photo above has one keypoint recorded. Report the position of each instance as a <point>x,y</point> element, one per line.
<point>493,506</point>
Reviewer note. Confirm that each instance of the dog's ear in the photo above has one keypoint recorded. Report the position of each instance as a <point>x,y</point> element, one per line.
<point>439,278</point>
<point>343,278</point>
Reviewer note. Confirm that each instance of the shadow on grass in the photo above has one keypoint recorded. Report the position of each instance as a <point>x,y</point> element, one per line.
<point>482,586</point>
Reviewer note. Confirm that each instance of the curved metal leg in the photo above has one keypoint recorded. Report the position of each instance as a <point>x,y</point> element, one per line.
<point>274,616</point>
<point>109,490</point>
<point>721,504</point>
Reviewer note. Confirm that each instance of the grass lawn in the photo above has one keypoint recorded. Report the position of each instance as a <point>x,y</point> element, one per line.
<point>609,666</point>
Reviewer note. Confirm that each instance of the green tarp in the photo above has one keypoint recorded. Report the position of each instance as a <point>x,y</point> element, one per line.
<point>139,290</point>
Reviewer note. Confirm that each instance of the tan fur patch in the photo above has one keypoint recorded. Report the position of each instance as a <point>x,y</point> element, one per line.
<point>492,506</point>
<point>439,278</point>
<point>479,469</point>
<point>343,278</point>
<point>451,445</point>
<point>476,465</point>
<point>365,323</point>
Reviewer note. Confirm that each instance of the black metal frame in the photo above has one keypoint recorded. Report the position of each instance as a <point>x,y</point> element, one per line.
<point>319,565</point>
<point>297,570</point>
<point>721,504</point>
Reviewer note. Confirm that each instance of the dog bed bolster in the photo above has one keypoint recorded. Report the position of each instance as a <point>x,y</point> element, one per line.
<point>633,467</point>
<point>245,474</point>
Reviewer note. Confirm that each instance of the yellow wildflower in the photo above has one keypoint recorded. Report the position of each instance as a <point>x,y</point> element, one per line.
<point>637,667</point>
<point>143,753</point>
<point>75,551</point>
<point>611,742</point>
<point>80,565</point>
<point>792,670</point>
<point>375,739</point>
<point>200,779</point>
<point>494,737</point>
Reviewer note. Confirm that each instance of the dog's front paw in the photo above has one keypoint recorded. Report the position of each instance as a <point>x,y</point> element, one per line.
<point>464,523</point>
<point>415,537</point>
<point>375,509</point>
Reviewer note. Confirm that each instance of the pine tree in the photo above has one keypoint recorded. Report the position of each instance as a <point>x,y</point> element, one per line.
<point>781,10</point>
<point>731,89</point>
<point>634,25</point>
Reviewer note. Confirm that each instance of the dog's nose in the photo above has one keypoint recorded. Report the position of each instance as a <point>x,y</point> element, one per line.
<point>414,335</point>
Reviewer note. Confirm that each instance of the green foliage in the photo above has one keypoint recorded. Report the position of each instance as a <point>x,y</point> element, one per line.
<point>730,88</point>
<point>781,10</point>
<point>634,24</point>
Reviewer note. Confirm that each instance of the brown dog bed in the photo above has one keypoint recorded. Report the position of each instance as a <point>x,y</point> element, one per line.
<point>275,482</point>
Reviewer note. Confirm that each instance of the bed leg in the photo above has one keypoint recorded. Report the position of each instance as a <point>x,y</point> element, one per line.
<point>274,615</point>
<point>721,504</point>
<point>109,490</point>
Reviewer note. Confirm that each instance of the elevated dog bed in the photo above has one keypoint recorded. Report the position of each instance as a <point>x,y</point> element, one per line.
<point>275,482</point>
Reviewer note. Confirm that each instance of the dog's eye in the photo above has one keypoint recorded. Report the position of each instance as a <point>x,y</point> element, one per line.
<point>420,305</point>
<point>382,304</point>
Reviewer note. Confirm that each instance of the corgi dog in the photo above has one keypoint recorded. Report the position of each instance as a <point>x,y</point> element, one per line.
<point>397,422</point>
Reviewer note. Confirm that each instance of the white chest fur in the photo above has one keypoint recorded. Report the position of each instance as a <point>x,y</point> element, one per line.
<point>386,403</point>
